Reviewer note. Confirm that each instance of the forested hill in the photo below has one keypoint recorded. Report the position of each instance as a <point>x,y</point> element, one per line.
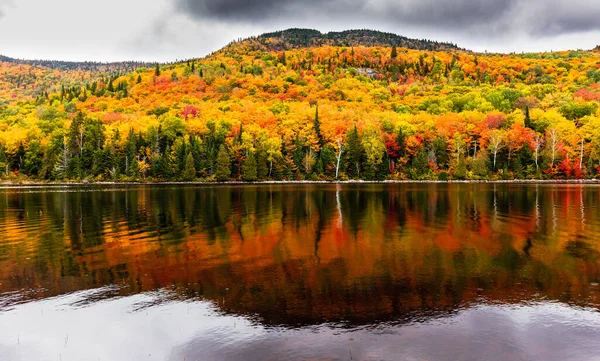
<point>121,66</point>
<point>254,111</point>
<point>305,38</point>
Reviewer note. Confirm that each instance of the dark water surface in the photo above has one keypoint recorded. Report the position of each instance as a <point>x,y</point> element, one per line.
<point>301,272</point>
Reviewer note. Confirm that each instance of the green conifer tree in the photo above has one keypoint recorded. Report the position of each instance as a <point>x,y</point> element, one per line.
<point>250,169</point>
<point>189,173</point>
<point>461,169</point>
<point>420,164</point>
<point>355,152</point>
<point>528,123</point>
<point>317,128</point>
<point>223,171</point>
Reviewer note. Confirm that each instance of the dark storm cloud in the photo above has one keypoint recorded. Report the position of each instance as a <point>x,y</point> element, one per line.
<point>257,10</point>
<point>487,17</point>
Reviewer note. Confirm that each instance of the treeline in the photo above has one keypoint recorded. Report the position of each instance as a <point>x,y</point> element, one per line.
<point>123,66</point>
<point>87,151</point>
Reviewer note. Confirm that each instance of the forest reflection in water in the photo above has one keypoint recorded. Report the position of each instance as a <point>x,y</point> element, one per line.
<point>292,258</point>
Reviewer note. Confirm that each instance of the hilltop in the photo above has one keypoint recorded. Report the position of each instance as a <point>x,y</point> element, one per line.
<point>302,105</point>
<point>306,38</point>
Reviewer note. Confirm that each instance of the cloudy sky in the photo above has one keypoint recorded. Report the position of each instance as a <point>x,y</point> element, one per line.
<point>166,30</point>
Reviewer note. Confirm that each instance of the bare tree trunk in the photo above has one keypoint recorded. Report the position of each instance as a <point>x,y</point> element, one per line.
<point>537,145</point>
<point>554,143</point>
<point>495,155</point>
<point>81,141</point>
<point>581,156</point>
<point>495,142</point>
<point>339,158</point>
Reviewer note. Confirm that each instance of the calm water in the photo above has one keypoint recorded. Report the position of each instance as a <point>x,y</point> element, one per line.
<point>301,272</point>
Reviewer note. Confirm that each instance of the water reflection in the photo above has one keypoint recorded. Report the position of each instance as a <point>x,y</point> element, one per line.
<point>159,326</point>
<point>312,262</point>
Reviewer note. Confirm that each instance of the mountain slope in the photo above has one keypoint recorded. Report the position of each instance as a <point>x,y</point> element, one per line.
<point>307,112</point>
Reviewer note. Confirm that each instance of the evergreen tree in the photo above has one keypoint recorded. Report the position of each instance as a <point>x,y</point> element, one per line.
<point>461,169</point>
<point>157,70</point>
<point>262,165</point>
<point>394,52</point>
<point>354,152</point>
<point>250,169</point>
<point>190,169</point>
<point>317,128</point>
<point>131,164</point>
<point>223,171</point>
<point>517,167</point>
<point>75,135</point>
<point>139,79</point>
<point>528,123</point>
<point>420,164</point>
<point>440,148</point>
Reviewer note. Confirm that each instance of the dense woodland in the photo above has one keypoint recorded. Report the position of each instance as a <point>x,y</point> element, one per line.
<point>295,106</point>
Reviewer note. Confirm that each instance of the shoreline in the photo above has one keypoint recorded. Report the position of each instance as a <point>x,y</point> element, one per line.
<point>34,184</point>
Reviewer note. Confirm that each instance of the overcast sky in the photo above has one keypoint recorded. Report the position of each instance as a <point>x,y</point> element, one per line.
<point>166,30</point>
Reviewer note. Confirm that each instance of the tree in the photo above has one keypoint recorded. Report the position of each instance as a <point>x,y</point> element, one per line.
<point>538,140</point>
<point>394,54</point>
<point>338,157</point>
<point>250,169</point>
<point>131,160</point>
<point>420,164</point>
<point>223,171</point>
<point>355,152</point>
<point>374,148</point>
<point>528,123</point>
<point>496,138</point>
<point>317,128</point>
<point>555,144</point>
<point>190,169</point>
<point>461,169</point>
<point>157,70</point>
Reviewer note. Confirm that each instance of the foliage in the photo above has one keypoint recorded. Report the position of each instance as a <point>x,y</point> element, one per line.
<point>300,104</point>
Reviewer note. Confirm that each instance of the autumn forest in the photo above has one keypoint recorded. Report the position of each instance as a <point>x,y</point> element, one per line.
<point>301,105</point>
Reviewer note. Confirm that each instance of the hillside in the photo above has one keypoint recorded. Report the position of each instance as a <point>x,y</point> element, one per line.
<point>304,38</point>
<point>124,66</point>
<point>299,104</point>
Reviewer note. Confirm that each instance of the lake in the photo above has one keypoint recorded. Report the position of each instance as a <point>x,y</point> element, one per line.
<point>301,272</point>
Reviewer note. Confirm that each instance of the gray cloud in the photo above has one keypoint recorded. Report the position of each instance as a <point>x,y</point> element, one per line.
<point>495,18</point>
<point>556,17</point>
